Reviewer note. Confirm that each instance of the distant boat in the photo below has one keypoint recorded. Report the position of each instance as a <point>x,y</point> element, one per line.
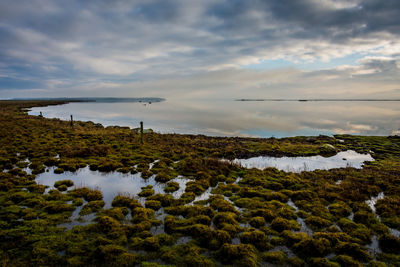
<point>303,100</point>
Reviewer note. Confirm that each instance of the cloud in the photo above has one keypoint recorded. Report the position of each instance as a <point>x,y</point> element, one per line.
<point>80,44</point>
<point>373,78</point>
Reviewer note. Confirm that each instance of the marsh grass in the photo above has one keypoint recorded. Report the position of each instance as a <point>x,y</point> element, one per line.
<point>249,217</point>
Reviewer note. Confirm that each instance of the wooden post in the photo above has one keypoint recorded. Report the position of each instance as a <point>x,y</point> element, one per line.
<point>141,132</point>
<point>72,122</point>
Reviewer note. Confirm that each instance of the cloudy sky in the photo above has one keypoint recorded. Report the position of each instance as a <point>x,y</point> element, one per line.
<point>200,49</point>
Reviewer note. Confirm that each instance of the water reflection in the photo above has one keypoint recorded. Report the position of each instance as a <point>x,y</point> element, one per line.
<point>342,159</point>
<point>110,184</point>
<point>236,118</point>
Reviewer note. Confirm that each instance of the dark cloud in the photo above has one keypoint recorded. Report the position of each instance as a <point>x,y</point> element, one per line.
<point>157,11</point>
<point>11,83</point>
<point>310,18</point>
<point>382,15</point>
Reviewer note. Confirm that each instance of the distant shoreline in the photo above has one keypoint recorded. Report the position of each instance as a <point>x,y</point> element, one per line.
<point>96,99</point>
<point>316,100</point>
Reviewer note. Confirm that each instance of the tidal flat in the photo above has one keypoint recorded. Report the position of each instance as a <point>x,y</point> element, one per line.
<point>80,194</point>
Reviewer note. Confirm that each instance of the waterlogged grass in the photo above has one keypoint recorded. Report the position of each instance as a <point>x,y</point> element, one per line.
<point>208,212</point>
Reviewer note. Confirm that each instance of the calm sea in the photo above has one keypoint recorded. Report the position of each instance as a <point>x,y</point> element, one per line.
<point>240,118</point>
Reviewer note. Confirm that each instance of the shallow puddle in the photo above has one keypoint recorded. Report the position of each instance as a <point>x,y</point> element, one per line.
<point>371,202</point>
<point>342,159</point>
<point>110,184</point>
<point>203,196</point>
<point>394,232</point>
<point>303,226</point>
<point>373,247</point>
<point>291,204</point>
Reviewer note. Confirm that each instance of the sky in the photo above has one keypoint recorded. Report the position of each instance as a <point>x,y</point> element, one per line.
<point>200,49</point>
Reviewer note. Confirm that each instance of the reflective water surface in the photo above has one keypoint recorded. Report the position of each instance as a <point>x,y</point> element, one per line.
<point>342,159</point>
<point>240,118</point>
<point>110,184</point>
<point>113,183</point>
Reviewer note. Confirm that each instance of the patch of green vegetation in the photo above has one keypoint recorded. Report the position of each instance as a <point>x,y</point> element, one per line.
<point>275,257</point>
<point>252,212</point>
<point>67,183</point>
<point>171,187</point>
<point>92,206</point>
<point>146,191</point>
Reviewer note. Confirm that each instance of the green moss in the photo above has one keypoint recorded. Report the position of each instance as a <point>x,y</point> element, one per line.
<point>359,231</point>
<point>187,197</point>
<point>58,207</point>
<point>267,214</point>
<point>153,204</point>
<point>335,237</point>
<point>293,238</point>
<point>117,213</point>
<point>146,191</point>
<point>389,259</point>
<point>153,264</point>
<point>137,228</point>
<point>171,187</point>
<point>345,260</point>
<point>19,196</point>
<point>376,264</point>
<point>218,203</point>
<point>195,187</point>
<point>151,243</point>
<point>125,201</point>
<point>221,238</point>
<point>256,238</point>
<point>353,250</point>
<point>107,165</point>
<point>166,239</point>
<point>94,195</point>
<point>257,221</point>
<point>313,247</point>
<point>67,183</point>
<point>92,206</point>
<point>277,241</point>
<point>203,233</point>
<point>317,223</point>
<point>239,255</point>
<point>146,174</point>
<point>279,224</point>
<point>275,257</point>
<point>141,214</point>
<point>165,200</point>
<point>339,209</point>
<point>365,217</point>
<point>222,218</point>
<point>87,194</point>
<point>295,261</point>
<point>62,188</point>
<point>323,262</point>
<point>124,170</point>
<point>389,243</point>
<point>107,224</point>
<point>185,255</point>
<point>110,252</point>
<point>164,176</point>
